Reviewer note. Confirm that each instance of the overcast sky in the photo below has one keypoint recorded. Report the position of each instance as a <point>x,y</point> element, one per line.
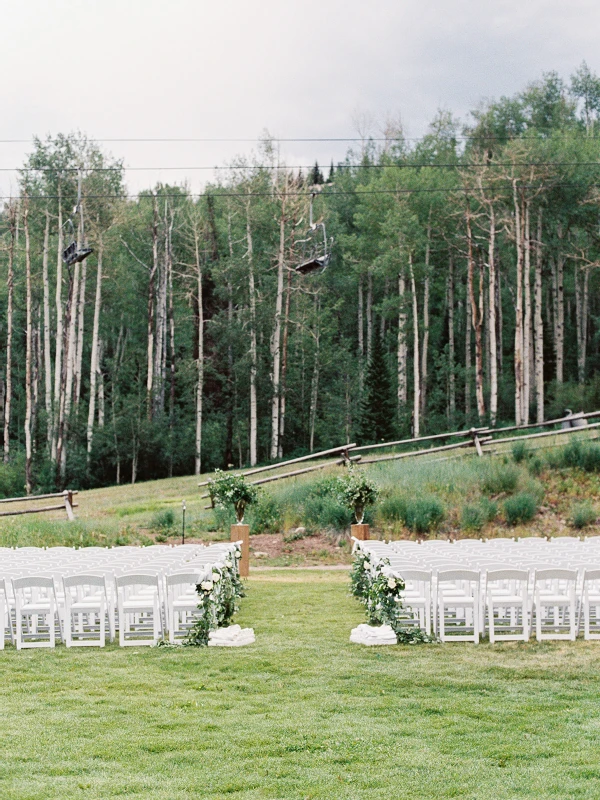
<point>233,68</point>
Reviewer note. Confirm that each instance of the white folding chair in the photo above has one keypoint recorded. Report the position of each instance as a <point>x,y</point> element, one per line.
<point>555,604</point>
<point>139,609</point>
<point>507,604</point>
<point>591,604</point>
<point>458,592</point>
<point>416,596</point>
<point>182,602</point>
<point>36,611</point>
<point>86,611</point>
<point>5,621</point>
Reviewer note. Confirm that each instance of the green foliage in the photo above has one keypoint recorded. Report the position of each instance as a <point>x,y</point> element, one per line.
<point>218,596</point>
<point>423,514</point>
<point>357,491</point>
<point>520,508</point>
<point>499,478</point>
<point>377,412</point>
<point>577,454</point>
<point>266,516</point>
<point>472,518</point>
<point>163,520</point>
<point>326,513</point>
<point>583,514</point>
<point>393,508</point>
<point>520,452</point>
<point>229,489</point>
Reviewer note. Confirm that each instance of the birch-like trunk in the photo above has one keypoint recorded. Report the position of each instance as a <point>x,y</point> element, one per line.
<point>559,309</point>
<point>416,370</point>
<point>314,387</point>
<point>451,349</point>
<point>80,331</point>
<point>28,351</point>
<point>361,315</point>
<point>538,325</point>
<point>59,345</point>
<point>200,359</point>
<point>527,317</point>
<point>519,312</point>
<point>493,359</point>
<point>171,352</point>
<point>286,325</point>
<point>275,344</point>
<point>47,355</point>
<point>94,356</point>
<point>100,384</point>
<point>369,313</point>
<point>468,325</point>
<point>477,320</point>
<point>425,347</point>
<point>402,346</point>
<point>9,328</point>
<point>150,314</point>
<point>253,346</point>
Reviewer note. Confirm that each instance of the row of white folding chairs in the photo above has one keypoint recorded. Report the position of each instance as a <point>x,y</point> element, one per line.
<point>91,603</point>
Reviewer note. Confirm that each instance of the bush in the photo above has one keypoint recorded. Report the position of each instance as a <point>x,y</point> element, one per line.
<point>393,509</point>
<point>579,455</point>
<point>474,516</point>
<point>266,516</point>
<point>500,479</point>
<point>520,508</point>
<point>582,515</point>
<point>326,513</point>
<point>536,466</point>
<point>519,452</point>
<point>423,514</point>
<point>163,520</point>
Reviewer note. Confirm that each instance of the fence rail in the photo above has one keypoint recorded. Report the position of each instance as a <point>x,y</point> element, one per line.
<point>67,505</point>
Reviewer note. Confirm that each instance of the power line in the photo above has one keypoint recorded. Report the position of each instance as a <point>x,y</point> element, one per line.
<point>406,165</point>
<point>466,190</point>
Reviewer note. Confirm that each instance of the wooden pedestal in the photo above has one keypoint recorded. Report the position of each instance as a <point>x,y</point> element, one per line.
<point>241,533</point>
<point>360,532</point>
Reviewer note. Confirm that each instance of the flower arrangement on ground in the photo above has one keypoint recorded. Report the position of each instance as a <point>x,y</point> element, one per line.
<point>379,588</point>
<point>356,491</point>
<point>218,596</point>
<point>227,489</point>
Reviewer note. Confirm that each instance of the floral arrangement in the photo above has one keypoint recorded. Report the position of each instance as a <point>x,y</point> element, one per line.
<point>227,489</point>
<point>218,596</point>
<point>356,491</point>
<point>379,589</point>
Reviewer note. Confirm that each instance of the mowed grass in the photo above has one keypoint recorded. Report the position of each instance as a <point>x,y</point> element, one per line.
<point>302,713</point>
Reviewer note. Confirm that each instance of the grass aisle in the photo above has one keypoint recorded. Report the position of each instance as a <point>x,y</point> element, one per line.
<point>301,714</point>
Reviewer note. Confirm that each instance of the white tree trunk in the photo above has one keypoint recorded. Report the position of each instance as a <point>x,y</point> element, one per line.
<point>416,370</point>
<point>369,313</point>
<point>200,361</point>
<point>59,344</point>
<point>493,360</point>
<point>47,356</point>
<point>539,325</point>
<point>526,318</point>
<point>425,348</point>
<point>519,313</point>
<point>94,356</point>
<point>9,329</point>
<point>276,340</point>
<point>402,347</point>
<point>451,346</point>
<point>253,346</point>
<point>28,352</point>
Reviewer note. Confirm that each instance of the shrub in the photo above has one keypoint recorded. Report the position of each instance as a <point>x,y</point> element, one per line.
<point>536,466</point>
<point>474,516</point>
<point>326,512</point>
<point>500,479</point>
<point>227,489</point>
<point>520,508</point>
<point>356,491</point>
<point>423,514</point>
<point>581,455</point>
<point>489,507</point>
<point>582,515</point>
<point>393,509</point>
<point>266,516</point>
<point>163,520</point>
<point>519,452</point>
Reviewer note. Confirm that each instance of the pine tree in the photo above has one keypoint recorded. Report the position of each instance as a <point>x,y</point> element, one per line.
<point>331,175</point>
<point>316,176</point>
<point>377,411</point>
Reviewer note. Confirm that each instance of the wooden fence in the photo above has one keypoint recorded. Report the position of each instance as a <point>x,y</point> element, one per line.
<point>480,439</point>
<point>67,504</point>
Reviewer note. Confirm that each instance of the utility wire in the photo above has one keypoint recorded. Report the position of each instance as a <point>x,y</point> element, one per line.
<point>182,195</point>
<point>311,166</point>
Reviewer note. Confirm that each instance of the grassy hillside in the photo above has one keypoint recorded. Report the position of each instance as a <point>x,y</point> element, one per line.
<point>523,490</point>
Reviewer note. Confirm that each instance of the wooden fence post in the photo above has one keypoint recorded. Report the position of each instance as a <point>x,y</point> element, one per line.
<point>241,533</point>
<point>69,505</point>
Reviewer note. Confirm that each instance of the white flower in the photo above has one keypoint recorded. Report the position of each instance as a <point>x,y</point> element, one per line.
<point>206,586</point>
<point>228,564</point>
<point>391,583</point>
<point>216,577</point>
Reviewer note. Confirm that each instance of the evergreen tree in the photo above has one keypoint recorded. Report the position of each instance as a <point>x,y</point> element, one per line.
<point>316,176</point>
<point>331,176</point>
<point>377,410</point>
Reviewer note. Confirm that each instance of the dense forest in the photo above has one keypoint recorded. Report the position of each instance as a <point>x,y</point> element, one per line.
<point>462,290</point>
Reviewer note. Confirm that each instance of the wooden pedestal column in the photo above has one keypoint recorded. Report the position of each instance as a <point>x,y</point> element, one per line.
<point>360,532</point>
<point>241,533</point>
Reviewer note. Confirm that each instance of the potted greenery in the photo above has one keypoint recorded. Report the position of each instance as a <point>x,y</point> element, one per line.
<point>357,491</point>
<point>227,489</point>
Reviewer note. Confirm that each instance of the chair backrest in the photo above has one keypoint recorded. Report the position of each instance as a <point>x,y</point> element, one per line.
<point>507,575</point>
<point>421,575</point>
<point>185,578</point>
<point>591,575</point>
<point>137,579</point>
<point>458,575</point>
<point>33,581</point>
<point>83,580</point>
<point>555,574</point>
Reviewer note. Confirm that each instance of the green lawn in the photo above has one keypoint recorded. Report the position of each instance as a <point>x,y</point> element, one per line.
<point>302,713</point>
